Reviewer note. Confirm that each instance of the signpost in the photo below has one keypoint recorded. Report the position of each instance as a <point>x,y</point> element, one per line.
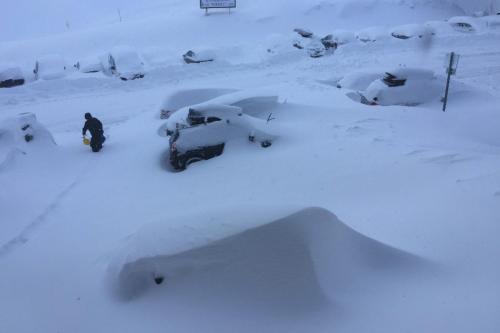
<point>451,69</point>
<point>206,4</point>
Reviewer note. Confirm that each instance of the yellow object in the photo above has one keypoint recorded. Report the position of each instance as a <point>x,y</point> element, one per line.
<point>86,141</point>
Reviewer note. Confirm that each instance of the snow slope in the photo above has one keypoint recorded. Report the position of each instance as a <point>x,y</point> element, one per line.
<point>407,236</point>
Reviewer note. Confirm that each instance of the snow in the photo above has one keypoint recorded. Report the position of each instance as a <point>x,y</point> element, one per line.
<point>421,86</point>
<point>50,67</point>
<point>357,218</point>
<point>10,72</point>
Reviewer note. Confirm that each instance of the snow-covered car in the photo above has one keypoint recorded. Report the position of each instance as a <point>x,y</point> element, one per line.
<point>252,102</point>
<point>466,24</point>
<point>89,65</point>
<point>342,37</point>
<point>10,76</point>
<point>439,28</point>
<point>372,34</point>
<point>124,63</point>
<point>408,31</point>
<point>181,98</point>
<point>191,57</point>
<point>197,143</point>
<point>50,67</point>
<point>22,134</point>
<point>491,22</point>
<point>403,86</point>
<point>358,80</point>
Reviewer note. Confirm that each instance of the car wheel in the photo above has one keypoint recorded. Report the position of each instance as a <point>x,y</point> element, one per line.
<point>265,144</point>
<point>192,160</point>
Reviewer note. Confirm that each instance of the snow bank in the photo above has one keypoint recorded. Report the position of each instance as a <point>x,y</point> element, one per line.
<point>50,67</point>
<point>22,135</point>
<point>264,258</point>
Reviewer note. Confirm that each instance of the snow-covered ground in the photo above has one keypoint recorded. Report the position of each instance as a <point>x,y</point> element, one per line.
<point>358,218</point>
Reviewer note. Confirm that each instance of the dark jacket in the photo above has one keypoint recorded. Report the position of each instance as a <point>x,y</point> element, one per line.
<point>94,126</point>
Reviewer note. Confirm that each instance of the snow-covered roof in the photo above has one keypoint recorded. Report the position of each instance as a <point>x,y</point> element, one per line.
<point>412,73</point>
<point>10,72</point>
<point>51,66</point>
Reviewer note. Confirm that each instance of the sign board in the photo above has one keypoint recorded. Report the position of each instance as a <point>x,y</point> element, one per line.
<point>451,62</point>
<point>205,4</point>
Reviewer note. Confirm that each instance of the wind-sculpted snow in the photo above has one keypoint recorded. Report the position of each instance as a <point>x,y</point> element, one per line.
<point>270,261</point>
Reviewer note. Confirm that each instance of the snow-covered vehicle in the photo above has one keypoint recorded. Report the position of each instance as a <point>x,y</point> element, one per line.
<point>191,57</point>
<point>181,98</point>
<point>408,31</point>
<point>491,22</point>
<point>466,24</point>
<point>403,86</point>
<point>372,34</point>
<point>89,65</point>
<point>220,124</point>
<point>252,102</point>
<point>22,134</point>
<point>124,63</point>
<point>50,67</point>
<point>357,80</point>
<point>341,37</point>
<point>10,76</point>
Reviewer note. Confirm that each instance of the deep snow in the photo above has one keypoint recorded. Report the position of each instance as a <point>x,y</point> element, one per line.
<point>406,238</point>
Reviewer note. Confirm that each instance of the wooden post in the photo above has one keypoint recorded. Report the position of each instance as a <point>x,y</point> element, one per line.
<point>449,70</point>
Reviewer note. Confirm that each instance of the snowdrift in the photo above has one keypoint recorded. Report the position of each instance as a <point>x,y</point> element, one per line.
<point>266,260</point>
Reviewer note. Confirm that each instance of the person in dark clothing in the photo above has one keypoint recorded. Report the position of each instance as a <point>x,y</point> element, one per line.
<point>94,126</point>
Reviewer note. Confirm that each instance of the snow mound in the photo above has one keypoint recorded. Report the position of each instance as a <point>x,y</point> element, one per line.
<point>22,135</point>
<point>264,259</point>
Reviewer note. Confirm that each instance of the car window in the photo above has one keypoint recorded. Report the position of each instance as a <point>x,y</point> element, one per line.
<point>392,80</point>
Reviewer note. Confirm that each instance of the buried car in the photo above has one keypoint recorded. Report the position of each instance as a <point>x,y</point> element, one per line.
<point>403,86</point>
<point>253,103</point>
<point>124,63</point>
<point>50,67</point>
<point>408,31</point>
<point>10,76</point>
<point>186,97</point>
<point>466,24</point>
<point>197,143</point>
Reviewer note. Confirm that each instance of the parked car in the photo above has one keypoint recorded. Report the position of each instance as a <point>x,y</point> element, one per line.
<point>89,65</point>
<point>466,24</point>
<point>50,67</point>
<point>182,98</point>
<point>491,21</point>
<point>372,34</point>
<point>124,63</point>
<point>10,76</point>
<point>403,86</point>
<point>252,102</point>
<point>197,143</point>
<point>408,31</point>
<point>357,80</point>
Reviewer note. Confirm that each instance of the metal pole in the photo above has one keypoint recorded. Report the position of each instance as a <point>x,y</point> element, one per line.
<point>452,55</point>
